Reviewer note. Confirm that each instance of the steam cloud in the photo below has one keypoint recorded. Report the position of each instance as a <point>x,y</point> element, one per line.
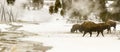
<point>83,6</point>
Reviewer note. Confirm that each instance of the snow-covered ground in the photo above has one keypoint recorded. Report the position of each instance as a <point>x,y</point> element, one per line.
<point>57,34</point>
<point>78,44</point>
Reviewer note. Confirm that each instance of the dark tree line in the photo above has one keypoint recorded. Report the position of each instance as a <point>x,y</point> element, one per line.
<point>114,15</point>
<point>104,14</point>
<point>116,10</point>
<point>10,2</point>
<point>38,3</point>
<point>54,8</point>
<point>63,4</point>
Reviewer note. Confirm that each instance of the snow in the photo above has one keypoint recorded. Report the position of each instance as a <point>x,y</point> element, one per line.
<point>3,27</point>
<point>57,34</point>
<point>45,27</point>
<point>78,44</point>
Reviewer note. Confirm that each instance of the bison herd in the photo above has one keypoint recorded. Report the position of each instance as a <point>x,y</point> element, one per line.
<point>89,27</point>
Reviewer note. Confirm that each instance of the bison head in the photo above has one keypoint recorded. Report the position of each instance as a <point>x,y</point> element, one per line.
<point>72,30</point>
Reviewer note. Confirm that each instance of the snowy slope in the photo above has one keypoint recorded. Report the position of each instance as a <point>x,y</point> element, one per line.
<point>59,37</point>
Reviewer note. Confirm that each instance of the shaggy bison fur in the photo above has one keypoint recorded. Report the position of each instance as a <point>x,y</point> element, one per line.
<point>75,28</point>
<point>89,27</point>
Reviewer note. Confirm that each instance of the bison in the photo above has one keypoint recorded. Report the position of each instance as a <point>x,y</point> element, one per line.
<point>75,28</point>
<point>112,24</point>
<point>89,27</point>
<point>101,27</point>
<point>86,27</point>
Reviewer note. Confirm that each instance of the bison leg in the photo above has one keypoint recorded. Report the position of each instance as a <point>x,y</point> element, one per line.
<point>90,34</point>
<point>97,33</point>
<point>109,30</point>
<point>76,30</point>
<point>80,31</point>
<point>115,28</point>
<point>84,33</point>
<point>102,33</point>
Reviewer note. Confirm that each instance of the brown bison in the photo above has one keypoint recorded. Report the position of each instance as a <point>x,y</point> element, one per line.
<point>89,27</point>
<point>112,24</point>
<point>75,28</point>
<point>101,27</point>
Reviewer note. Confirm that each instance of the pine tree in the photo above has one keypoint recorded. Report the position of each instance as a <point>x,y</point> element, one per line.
<point>116,14</point>
<point>55,8</point>
<point>104,12</point>
<point>51,9</point>
<point>62,12</point>
<point>57,4</point>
